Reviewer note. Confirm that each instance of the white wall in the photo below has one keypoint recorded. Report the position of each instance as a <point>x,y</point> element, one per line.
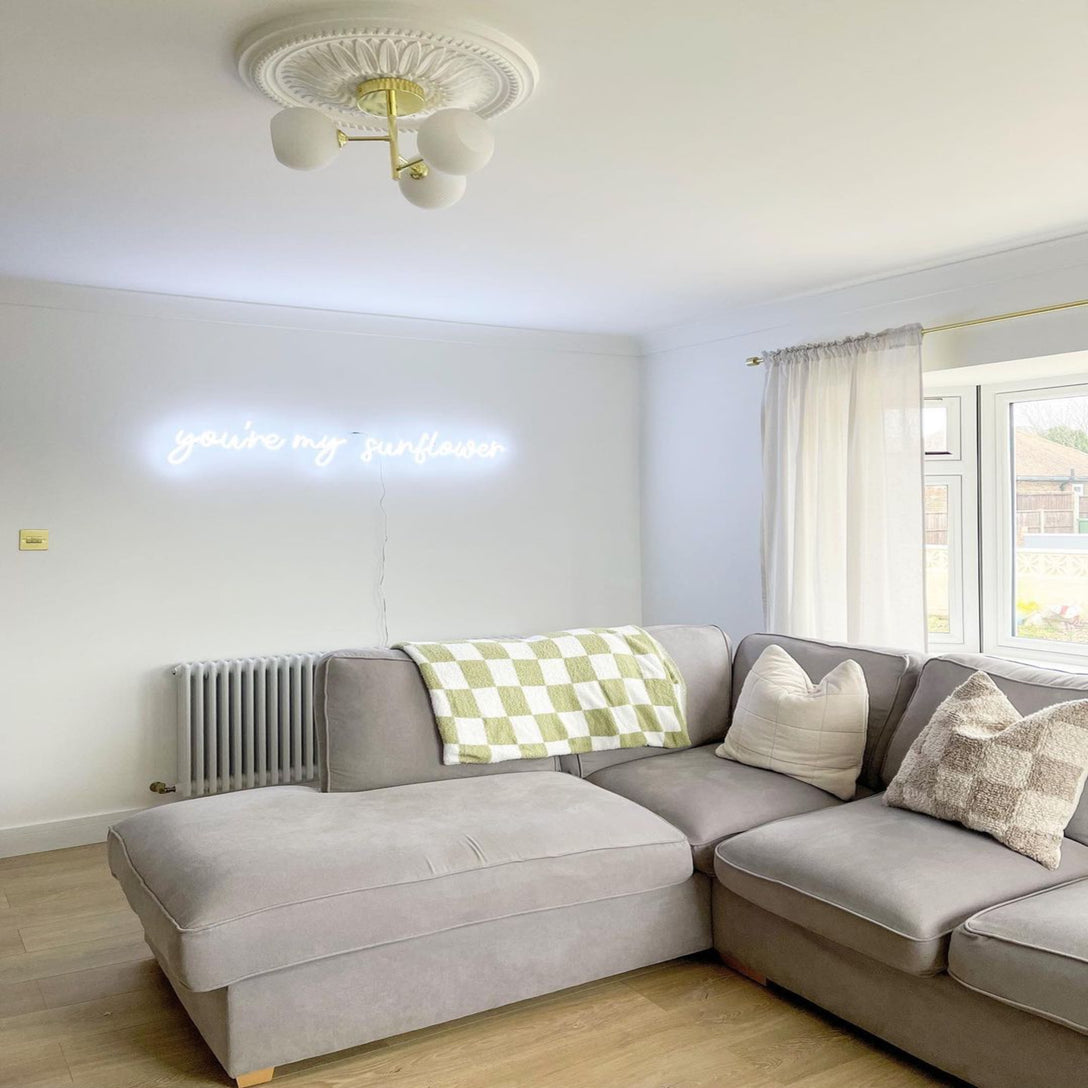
<point>238,554</point>
<point>701,443</point>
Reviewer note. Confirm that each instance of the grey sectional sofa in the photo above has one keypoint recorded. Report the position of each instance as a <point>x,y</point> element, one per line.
<point>293,922</point>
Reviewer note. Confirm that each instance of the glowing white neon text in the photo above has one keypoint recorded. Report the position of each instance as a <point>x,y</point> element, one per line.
<point>325,447</point>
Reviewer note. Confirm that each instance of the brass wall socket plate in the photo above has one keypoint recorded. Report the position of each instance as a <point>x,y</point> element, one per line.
<point>33,540</point>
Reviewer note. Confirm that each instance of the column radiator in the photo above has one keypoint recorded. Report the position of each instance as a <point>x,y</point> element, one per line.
<point>244,723</point>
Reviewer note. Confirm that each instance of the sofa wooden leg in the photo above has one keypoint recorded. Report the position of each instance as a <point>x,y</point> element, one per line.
<point>258,1076</point>
<point>742,969</point>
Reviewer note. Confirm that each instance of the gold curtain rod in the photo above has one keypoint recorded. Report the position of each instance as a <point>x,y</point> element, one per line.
<point>755,360</point>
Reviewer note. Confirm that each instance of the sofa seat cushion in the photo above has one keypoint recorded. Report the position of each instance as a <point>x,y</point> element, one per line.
<point>241,884</point>
<point>886,882</point>
<point>1031,953</point>
<point>710,798</point>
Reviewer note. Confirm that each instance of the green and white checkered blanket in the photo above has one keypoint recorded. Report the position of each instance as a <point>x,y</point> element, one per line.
<point>575,691</point>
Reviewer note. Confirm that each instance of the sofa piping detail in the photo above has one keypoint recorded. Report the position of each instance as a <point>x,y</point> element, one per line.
<point>969,928</point>
<point>1079,1028</point>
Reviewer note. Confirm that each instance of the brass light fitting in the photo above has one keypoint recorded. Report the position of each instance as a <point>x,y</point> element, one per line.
<point>365,72</point>
<point>454,142</point>
<point>389,97</point>
<point>371,96</point>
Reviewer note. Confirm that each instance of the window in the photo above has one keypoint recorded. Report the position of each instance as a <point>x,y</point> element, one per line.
<point>1006,519</point>
<point>950,521</point>
<point>941,426</point>
<point>1036,453</point>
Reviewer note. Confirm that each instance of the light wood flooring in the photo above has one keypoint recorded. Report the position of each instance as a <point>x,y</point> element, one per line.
<point>82,1003</point>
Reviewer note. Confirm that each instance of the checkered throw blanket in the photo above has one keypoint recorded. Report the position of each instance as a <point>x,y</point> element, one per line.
<point>575,691</point>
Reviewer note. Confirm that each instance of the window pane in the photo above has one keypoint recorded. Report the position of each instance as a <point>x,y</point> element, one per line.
<point>935,426</point>
<point>1050,534</point>
<point>938,555</point>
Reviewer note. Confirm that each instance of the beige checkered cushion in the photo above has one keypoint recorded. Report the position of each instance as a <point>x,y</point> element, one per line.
<point>979,763</point>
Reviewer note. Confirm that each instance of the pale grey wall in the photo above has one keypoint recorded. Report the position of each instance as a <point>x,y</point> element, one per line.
<point>233,555</point>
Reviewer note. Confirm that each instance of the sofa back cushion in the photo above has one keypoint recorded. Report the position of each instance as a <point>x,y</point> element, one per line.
<point>703,654</point>
<point>1026,687</point>
<point>375,727</point>
<point>890,676</point>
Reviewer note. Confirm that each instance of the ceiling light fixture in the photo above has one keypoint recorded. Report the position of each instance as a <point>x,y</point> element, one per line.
<point>371,73</point>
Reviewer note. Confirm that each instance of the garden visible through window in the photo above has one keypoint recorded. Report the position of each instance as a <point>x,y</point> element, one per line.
<point>1050,531</point>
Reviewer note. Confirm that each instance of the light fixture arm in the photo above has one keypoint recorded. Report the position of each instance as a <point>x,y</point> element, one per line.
<point>391,118</point>
<point>452,142</point>
<point>366,92</point>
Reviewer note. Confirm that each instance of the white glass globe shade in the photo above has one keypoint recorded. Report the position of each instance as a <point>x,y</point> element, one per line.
<point>304,139</point>
<point>433,190</point>
<point>456,142</point>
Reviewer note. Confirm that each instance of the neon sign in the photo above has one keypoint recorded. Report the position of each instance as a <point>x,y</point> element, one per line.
<point>324,448</point>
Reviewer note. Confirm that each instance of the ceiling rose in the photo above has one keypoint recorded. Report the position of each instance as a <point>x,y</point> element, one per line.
<point>319,59</point>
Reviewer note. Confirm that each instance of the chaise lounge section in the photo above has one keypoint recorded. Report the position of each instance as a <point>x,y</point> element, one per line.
<point>293,922</point>
<point>438,898</point>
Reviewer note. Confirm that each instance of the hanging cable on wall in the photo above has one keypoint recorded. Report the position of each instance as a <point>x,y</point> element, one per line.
<point>383,515</point>
<point>383,611</point>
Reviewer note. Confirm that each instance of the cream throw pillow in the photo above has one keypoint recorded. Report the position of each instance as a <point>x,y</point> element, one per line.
<point>979,763</point>
<point>786,723</point>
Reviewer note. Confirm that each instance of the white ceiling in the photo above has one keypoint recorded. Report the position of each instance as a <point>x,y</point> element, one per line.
<point>676,158</point>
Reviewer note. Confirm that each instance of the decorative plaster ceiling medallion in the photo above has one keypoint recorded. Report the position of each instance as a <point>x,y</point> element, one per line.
<point>318,60</point>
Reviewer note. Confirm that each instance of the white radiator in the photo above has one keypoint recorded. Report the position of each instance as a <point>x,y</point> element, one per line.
<point>245,723</point>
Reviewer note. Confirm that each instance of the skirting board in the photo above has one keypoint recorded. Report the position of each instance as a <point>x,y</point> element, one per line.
<point>58,834</point>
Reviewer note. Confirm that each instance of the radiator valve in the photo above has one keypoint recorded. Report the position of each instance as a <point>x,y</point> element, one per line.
<point>162,787</point>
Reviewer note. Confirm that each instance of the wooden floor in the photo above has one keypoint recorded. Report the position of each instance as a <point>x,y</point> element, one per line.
<point>82,1003</point>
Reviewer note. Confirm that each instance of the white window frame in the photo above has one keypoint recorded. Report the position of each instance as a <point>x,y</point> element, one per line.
<point>998,587</point>
<point>953,402</point>
<point>958,469</point>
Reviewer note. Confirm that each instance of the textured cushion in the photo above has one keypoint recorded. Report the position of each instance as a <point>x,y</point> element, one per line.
<point>1031,953</point>
<point>1028,689</point>
<point>890,676</point>
<point>704,657</point>
<point>889,883</point>
<point>240,884</point>
<point>708,798</point>
<point>979,763</point>
<point>812,732</point>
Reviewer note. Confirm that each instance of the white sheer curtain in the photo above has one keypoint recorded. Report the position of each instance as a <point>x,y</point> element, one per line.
<point>843,546</point>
